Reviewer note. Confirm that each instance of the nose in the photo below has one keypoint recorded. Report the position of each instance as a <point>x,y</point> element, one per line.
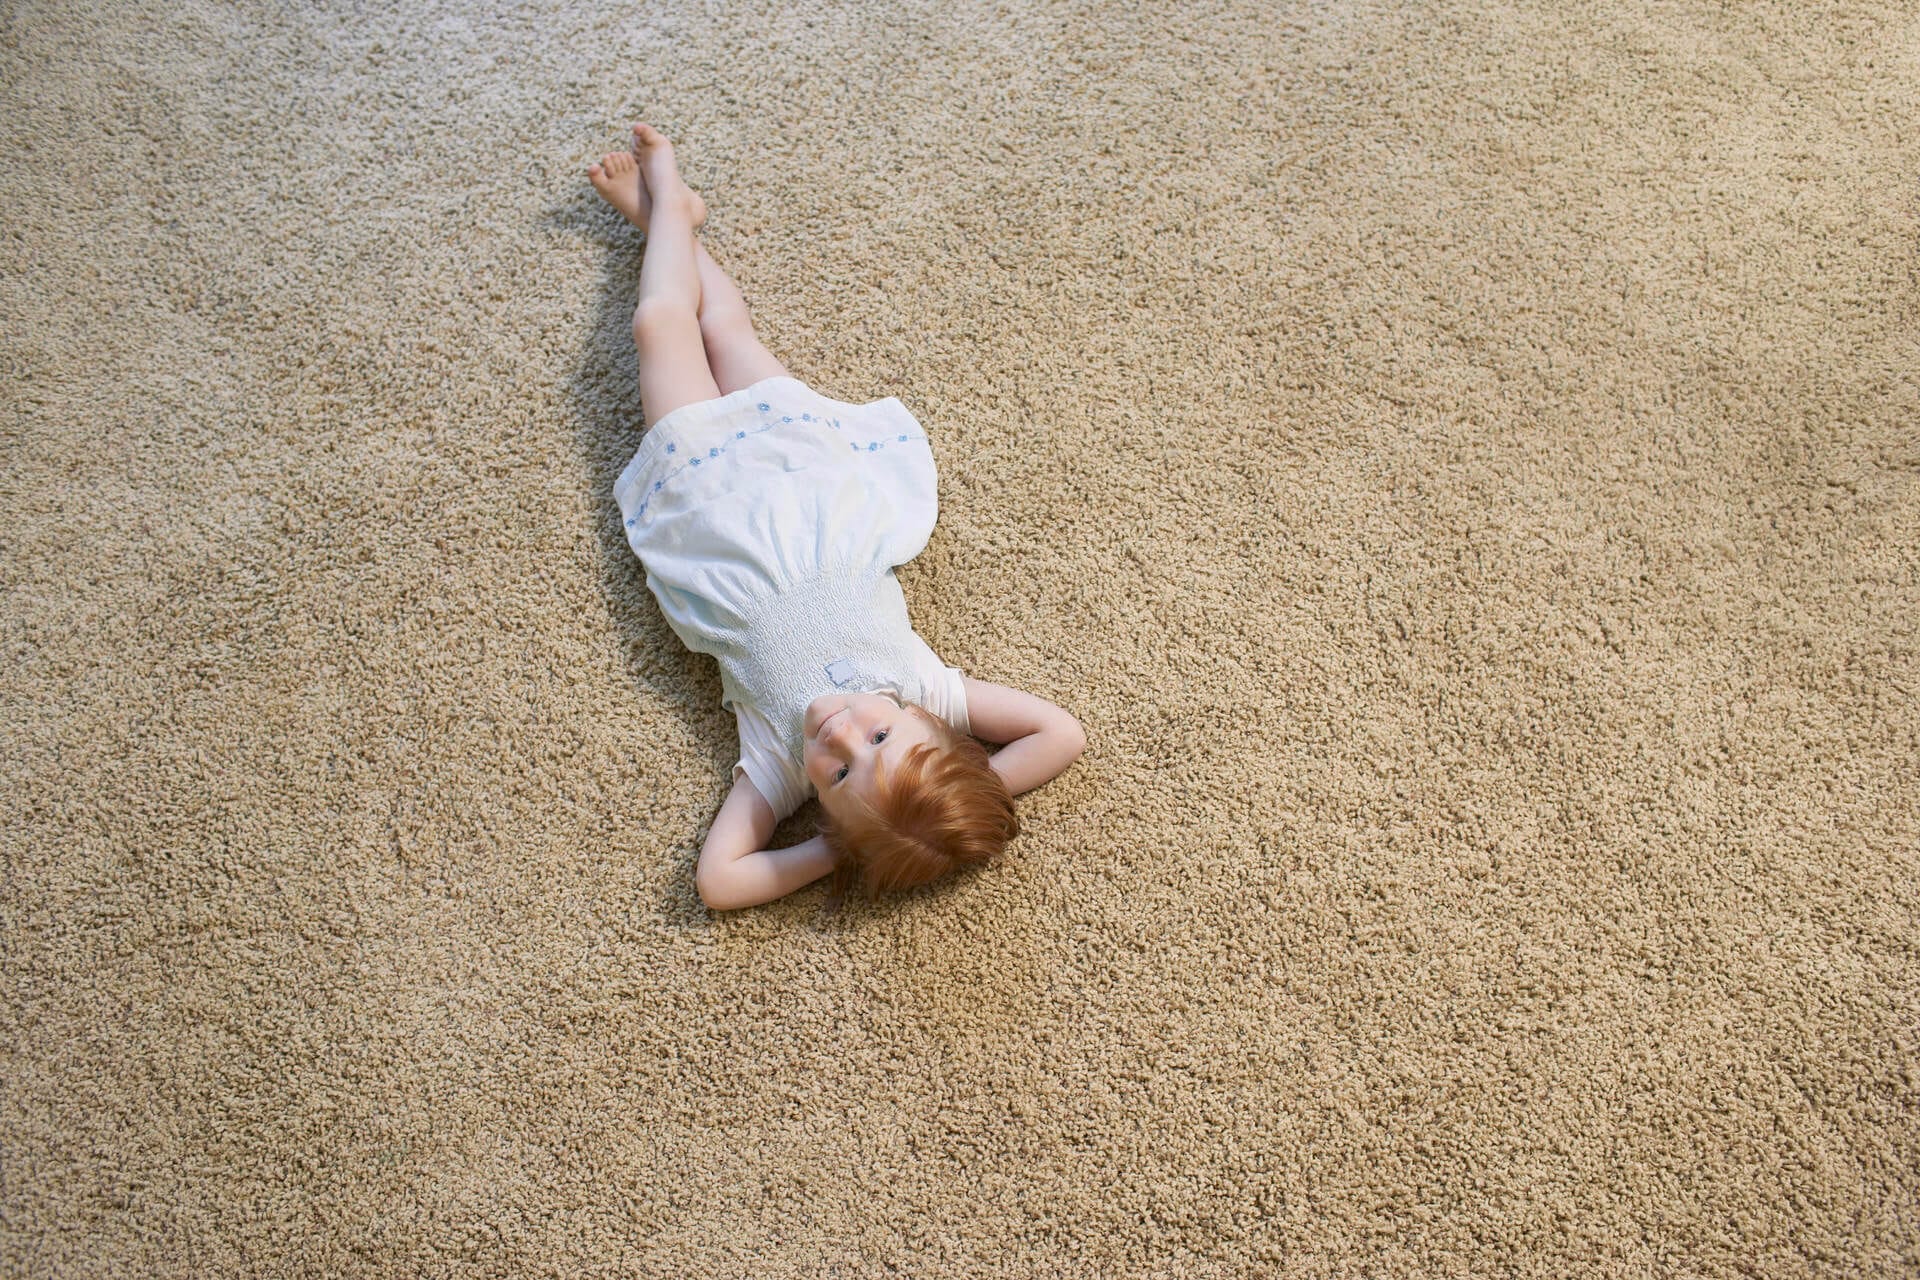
<point>843,732</point>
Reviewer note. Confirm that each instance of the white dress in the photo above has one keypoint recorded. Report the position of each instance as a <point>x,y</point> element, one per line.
<point>770,521</point>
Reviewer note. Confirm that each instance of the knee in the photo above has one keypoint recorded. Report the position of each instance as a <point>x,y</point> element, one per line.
<point>653,318</point>
<point>725,323</point>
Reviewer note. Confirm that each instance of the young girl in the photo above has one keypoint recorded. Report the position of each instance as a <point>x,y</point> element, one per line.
<point>770,519</point>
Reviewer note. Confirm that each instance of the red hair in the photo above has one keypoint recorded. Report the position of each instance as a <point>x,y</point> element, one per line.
<point>940,808</point>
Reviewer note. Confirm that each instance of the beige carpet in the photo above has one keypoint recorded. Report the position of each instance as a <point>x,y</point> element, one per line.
<point>1459,461</point>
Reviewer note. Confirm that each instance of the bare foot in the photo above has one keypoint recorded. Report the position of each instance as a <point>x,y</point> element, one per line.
<point>620,183</point>
<point>658,171</point>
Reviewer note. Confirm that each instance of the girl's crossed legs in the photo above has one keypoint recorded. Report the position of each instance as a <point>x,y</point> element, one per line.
<point>690,325</point>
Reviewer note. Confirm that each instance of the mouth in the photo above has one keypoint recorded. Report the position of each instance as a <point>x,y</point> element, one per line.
<point>824,723</point>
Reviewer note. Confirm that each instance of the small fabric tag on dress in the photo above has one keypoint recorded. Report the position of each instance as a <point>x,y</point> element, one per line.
<point>840,670</point>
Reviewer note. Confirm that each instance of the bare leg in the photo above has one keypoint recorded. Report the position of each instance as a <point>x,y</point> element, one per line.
<point>734,352</point>
<point>666,319</point>
<point>735,355</point>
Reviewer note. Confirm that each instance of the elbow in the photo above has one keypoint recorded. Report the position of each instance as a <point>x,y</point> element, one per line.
<point>1073,739</point>
<point>716,892</point>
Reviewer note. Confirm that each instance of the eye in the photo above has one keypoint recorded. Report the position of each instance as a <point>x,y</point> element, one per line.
<point>881,736</point>
<point>842,775</point>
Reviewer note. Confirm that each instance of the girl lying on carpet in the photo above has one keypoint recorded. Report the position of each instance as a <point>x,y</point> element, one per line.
<point>770,519</point>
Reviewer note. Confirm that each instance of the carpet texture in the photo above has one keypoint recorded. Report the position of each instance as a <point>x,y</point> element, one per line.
<point>1458,461</point>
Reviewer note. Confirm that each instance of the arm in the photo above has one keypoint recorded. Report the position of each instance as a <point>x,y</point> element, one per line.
<point>736,872</point>
<point>1042,739</point>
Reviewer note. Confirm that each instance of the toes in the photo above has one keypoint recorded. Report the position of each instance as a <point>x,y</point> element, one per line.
<point>646,138</point>
<point>613,166</point>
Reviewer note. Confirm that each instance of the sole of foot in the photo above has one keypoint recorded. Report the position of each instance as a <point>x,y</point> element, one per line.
<point>621,183</point>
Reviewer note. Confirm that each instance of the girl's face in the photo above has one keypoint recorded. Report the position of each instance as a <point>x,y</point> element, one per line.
<point>850,737</point>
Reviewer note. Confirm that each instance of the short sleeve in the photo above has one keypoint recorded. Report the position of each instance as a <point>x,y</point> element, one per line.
<point>942,690</point>
<point>779,778</point>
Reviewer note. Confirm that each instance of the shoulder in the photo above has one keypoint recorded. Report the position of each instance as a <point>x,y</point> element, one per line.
<point>942,689</point>
<point>765,763</point>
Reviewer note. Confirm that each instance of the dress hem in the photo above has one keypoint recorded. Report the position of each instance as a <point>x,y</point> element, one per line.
<point>688,416</point>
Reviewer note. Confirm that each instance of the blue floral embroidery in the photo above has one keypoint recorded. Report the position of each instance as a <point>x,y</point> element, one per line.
<point>872,446</point>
